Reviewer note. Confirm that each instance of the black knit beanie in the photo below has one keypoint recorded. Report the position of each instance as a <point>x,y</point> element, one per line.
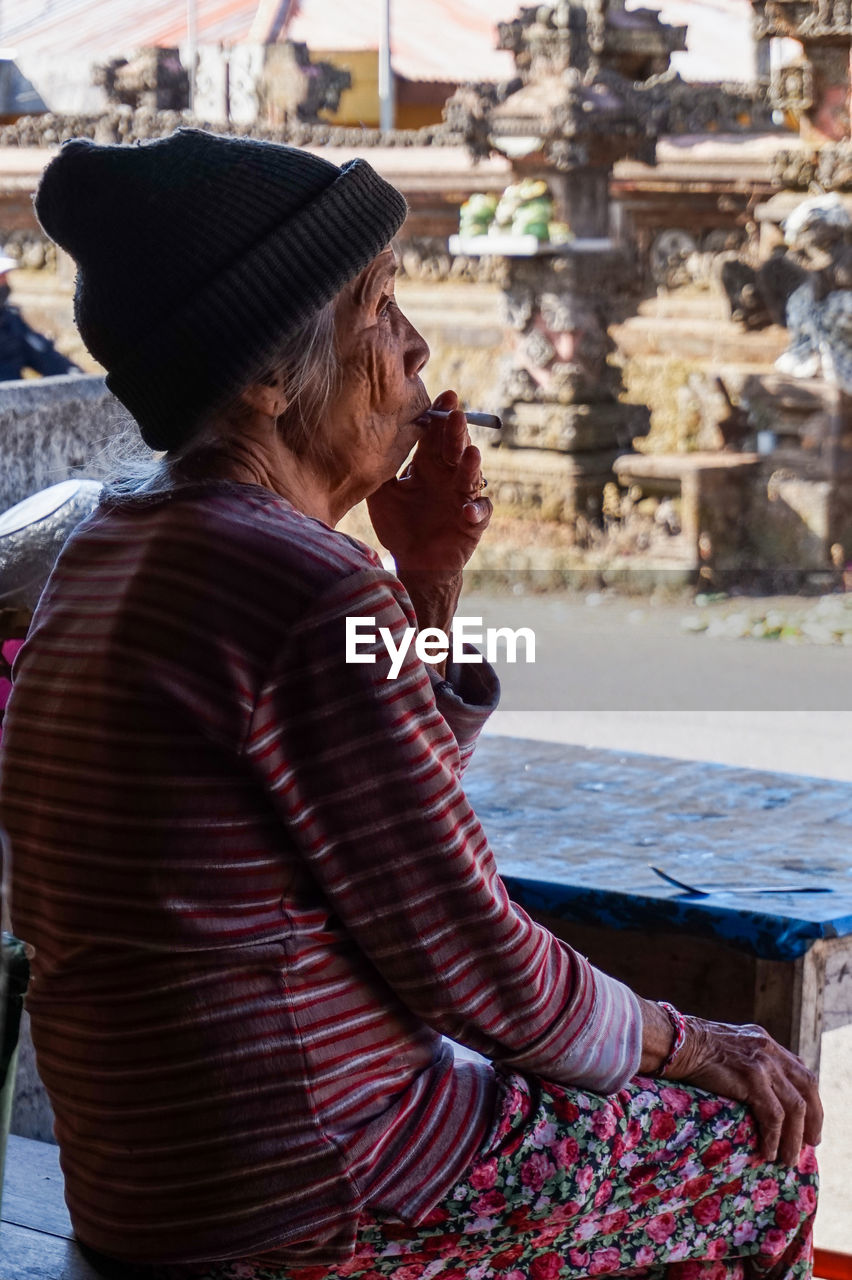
<point>198,254</point>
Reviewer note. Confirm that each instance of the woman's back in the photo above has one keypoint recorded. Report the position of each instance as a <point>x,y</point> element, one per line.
<point>191,980</point>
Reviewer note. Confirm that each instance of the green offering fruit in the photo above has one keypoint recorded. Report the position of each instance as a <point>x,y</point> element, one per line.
<point>525,208</point>
<point>479,206</point>
<point>538,209</point>
<point>533,188</point>
<point>537,229</point>
<point>477,214</point>
<point>559,233</point>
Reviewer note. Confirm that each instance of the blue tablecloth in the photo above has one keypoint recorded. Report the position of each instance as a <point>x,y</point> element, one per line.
<point>574,831</point>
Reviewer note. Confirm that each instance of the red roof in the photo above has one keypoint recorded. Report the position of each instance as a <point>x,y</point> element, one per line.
<point>431,39</point>
<point>121,26</point>
<point>451,40</point>
<point>456,39</point>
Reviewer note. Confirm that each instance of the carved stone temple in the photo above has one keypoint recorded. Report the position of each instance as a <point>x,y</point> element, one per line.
<point>574,110</point>
<point>816,86</point>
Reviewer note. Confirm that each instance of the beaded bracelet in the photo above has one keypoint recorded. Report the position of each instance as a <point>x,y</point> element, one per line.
<point>679,1024</point>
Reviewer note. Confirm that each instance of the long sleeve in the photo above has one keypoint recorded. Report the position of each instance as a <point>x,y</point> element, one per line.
<point>365,770</point>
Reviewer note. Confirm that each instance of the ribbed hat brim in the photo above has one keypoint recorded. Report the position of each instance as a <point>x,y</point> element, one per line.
<point>244,315</point>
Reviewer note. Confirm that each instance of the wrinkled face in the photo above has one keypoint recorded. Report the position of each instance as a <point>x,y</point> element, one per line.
<point>371,419</point>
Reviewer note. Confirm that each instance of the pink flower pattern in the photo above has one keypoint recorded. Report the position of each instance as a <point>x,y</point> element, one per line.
<point>574,1185</point>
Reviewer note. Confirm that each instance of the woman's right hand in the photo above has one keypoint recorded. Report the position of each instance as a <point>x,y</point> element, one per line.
<point>432,517</point>
<point>746,1064</point>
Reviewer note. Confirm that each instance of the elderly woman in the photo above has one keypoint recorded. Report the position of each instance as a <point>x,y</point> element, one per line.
<point>258,895</point>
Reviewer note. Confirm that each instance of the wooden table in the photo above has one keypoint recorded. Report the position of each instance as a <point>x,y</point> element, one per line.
<point>574,831</point>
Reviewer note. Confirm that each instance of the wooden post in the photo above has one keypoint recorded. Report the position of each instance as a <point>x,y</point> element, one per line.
<point>788,1002</point>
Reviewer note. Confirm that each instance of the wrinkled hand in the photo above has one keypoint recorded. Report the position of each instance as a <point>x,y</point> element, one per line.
<point>432,517</point>
<point>746,1064</point>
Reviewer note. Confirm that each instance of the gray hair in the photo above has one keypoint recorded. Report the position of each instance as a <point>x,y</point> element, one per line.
<point>308,371</point>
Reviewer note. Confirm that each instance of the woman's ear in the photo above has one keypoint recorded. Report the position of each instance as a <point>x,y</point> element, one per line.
<point>266,399</point>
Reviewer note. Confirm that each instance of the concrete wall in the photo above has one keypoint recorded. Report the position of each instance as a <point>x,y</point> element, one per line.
<point>52,429</point>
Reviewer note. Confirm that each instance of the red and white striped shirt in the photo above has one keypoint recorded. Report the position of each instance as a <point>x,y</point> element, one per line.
<point>258,894</point>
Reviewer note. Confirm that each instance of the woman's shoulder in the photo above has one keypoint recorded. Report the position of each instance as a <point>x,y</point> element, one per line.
<point>240,530</point>
<point>217,563</point>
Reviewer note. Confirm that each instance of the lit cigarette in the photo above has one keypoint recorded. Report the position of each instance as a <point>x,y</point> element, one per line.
<point>474,417</point>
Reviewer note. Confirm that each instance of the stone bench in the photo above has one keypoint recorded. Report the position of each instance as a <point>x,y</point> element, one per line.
<point>37,1242</point>
<point>715,491</point>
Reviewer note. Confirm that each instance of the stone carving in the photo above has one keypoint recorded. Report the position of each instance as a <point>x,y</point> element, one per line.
<point>794,169</point>
<point>516,383</point>
<point>829,168</point>
<point>816,87</point>
<point>574,383</point>
<point>30,248</point>
<point>292,85</point>
<point>793,88</point>
<point>819,311</point>
<point>676,106</point>
<point>677,257</point>
<point>792,287</point>
<point>121,123</point>
<point>551,37</point>
<point>516,307</point>
<point>576,89</point>
<point>467,114</point>
<point>270,84</point>
<point>426,258</point>
<point>153,78</point>
<point>559,334</point>
<point>834,171</point>
<point>668,105</point>
<point>563,312</point>
<point>758,296</point>
<point>537,349</point>
<point>574,429</point>
<point>573,111</point>
<point>802,19</point>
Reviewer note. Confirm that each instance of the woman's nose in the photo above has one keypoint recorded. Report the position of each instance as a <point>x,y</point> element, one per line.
<point>416,351</point>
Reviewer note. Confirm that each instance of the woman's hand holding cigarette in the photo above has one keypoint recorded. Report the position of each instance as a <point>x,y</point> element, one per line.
<point>432,516</point>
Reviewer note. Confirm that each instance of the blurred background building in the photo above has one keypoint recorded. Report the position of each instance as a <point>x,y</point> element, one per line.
<point>239,48</point>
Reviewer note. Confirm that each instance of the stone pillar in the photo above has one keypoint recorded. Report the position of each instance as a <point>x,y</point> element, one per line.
<point>558,393</point>
<point>575,111</point>
<point>582,200</point>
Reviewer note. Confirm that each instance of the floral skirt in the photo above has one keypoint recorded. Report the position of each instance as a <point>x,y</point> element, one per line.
<point>573,1184</point>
